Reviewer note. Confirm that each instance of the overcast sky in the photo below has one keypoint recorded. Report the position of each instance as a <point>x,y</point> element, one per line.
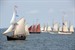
<point>39,11</point>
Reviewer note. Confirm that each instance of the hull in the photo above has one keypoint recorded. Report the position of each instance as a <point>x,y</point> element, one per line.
<point>60,32</point>
<point>16,38</point>
<point>64,33</point>
<point>34,32</point>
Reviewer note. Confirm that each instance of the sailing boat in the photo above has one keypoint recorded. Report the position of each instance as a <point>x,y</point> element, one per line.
<point>34,29</point>
<point>18,29</point>
<point>71,29</point>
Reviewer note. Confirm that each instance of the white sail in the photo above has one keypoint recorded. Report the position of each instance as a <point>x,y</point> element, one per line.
<point>42,28</point>
<point>20,27</point>
<point>71,28</point>
<point>13,20</point>
<point>55,27</point>
<point>26,30</point>
<point>49,29</point>
<point>65,28</point>
<point>60,28</point>
<point>10,29</point>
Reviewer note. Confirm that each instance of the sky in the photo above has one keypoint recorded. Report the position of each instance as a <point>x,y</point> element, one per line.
<point>44,12</point>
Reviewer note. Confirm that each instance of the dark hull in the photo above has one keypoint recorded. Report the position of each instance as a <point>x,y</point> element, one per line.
<point>34,32</point>
<point>16,38</point>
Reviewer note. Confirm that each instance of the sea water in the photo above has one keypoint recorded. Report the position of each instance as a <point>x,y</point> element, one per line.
<point>42,41</point>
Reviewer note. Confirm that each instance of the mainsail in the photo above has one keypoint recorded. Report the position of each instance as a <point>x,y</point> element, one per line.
<point>20,27</point>
<point>65,27</point>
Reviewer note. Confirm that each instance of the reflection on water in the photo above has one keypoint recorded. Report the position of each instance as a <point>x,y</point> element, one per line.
<point>43,41</point>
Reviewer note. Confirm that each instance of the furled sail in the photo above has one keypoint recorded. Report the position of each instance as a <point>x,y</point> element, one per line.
<point>71,28</point>
<point>20,27</point>
<point>26,30</point>
<point>55,27</point>
<point>10,29</point>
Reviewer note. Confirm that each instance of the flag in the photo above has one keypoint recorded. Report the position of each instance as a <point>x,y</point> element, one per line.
<point>17,15</point>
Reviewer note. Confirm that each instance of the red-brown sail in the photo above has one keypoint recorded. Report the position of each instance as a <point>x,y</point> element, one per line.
<point>34,28</point>
<point>38,28</point>
<point>30,29</point>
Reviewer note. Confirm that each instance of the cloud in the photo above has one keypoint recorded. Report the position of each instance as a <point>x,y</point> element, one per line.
<point>33,12</point>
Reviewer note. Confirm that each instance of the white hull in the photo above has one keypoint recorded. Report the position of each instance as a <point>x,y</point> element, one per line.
<point>60,32</point>
<point>64,33</point>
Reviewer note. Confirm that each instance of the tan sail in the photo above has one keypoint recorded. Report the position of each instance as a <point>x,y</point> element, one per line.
<point>71,28</point>
<point>10,29</point>
<point>20,27</point>
<point>65,28</point>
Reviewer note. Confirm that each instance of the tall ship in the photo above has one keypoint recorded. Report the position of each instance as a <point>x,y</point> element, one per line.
<point>64,29</point>
<point>17,29</point>
<point>34,29</point>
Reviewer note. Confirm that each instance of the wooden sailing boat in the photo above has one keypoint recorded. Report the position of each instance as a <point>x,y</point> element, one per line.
<point>34,29</point>
<point>18,29</point>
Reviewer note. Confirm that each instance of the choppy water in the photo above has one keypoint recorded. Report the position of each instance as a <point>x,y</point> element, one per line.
<point>43,41</point>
